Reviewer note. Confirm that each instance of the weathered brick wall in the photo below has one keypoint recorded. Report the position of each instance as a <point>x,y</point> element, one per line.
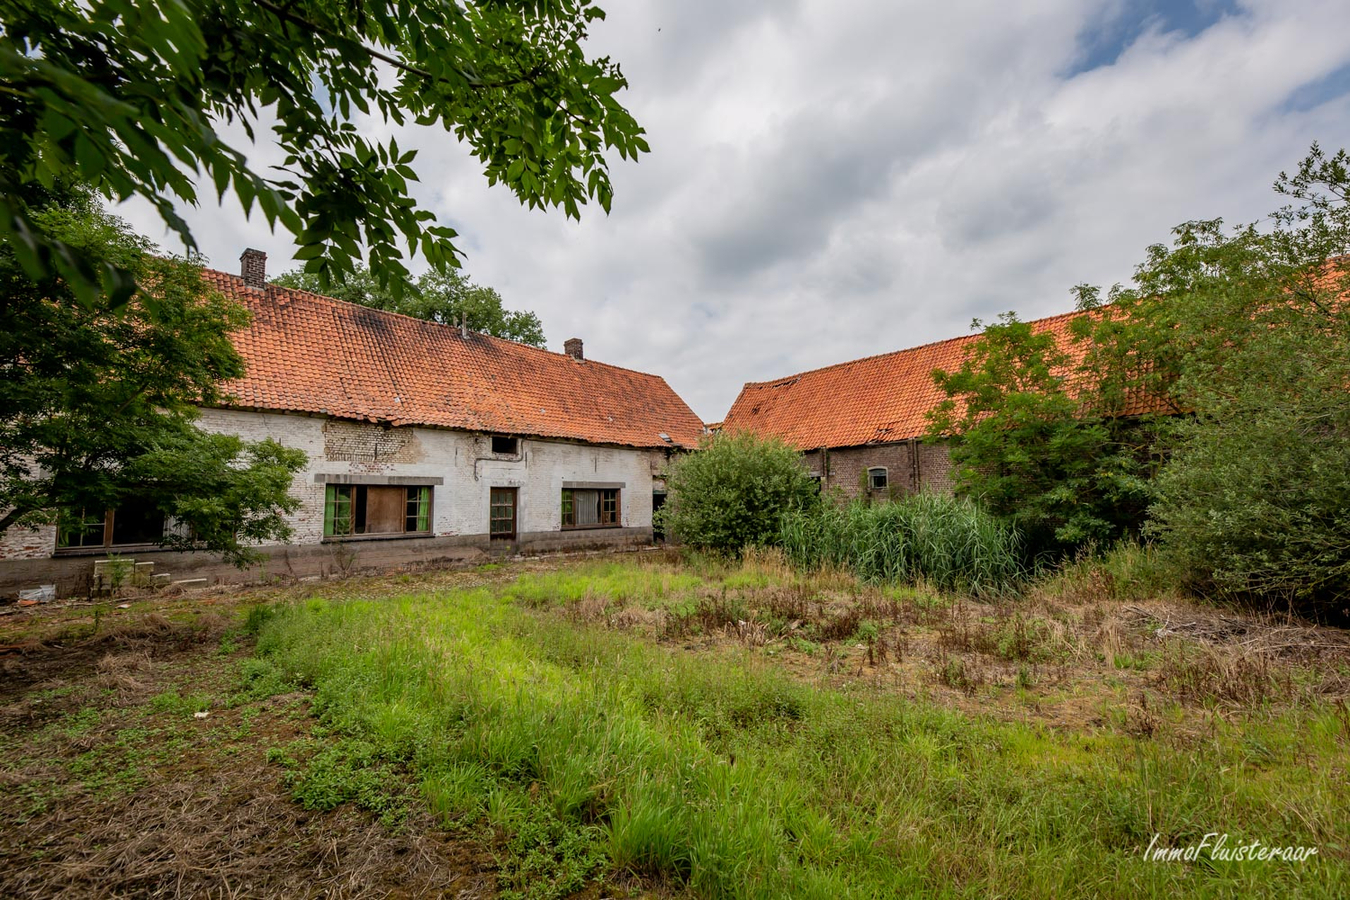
<point>847,468</point>
<point>460,465</point>
<point>27,543</point>
<point>463,464</point>
<point>369,445</point>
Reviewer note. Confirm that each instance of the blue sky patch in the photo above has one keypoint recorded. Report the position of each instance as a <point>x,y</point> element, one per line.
<point>1104,40</point>
<point>1318,91</point>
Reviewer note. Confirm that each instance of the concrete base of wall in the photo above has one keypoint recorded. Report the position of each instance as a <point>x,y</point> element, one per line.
<point>73,575</point>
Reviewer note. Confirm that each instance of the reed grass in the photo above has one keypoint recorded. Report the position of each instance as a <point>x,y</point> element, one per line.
<point>949,543</point>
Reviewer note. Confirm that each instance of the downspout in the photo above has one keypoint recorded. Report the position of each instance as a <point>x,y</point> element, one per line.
<point>915,476</point>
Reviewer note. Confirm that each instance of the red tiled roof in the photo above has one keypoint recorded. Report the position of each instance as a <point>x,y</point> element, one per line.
<point>877,399</point>
<point>885,398</point>
<point>313,354</point>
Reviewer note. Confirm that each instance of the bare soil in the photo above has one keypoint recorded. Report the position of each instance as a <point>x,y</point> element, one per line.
<point>115,788</point>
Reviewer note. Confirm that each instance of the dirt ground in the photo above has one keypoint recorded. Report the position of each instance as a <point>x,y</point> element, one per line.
<point>116,787</point>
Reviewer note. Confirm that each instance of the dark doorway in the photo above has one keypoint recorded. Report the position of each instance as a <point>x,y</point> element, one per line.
<point>658,501</point>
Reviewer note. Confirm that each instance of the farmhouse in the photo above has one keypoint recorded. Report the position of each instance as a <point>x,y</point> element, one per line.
<point>425,442</point>
<point>860,424</point>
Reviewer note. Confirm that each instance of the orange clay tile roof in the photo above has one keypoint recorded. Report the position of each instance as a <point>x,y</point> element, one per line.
<point>312,354</point>
<point>878,399</point>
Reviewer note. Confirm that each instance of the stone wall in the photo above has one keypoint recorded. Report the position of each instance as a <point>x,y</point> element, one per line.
<point>73,575</point>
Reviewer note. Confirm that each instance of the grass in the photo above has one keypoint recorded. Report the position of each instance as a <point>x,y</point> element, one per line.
<point>947,542</point>
<point>600,749</point>
<point>113,787</point>
<point>676,727</point>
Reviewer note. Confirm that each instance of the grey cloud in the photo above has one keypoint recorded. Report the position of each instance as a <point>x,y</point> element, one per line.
<point>836,179</point>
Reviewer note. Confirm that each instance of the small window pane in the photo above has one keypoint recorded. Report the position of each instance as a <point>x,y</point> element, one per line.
<point>609,507</point>
<point>337,512</point>
<point>80,529</point>
<point>418,509</point>
<point>877,478</point>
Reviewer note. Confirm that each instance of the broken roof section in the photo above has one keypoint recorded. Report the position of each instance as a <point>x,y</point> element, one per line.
<point>313,354</point>
<point>875,400</point>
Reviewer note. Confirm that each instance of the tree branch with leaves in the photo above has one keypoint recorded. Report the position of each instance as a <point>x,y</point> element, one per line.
<point>131,96</point>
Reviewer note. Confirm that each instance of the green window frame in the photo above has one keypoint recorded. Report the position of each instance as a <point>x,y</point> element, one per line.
<point>344,509</point>
<point>419,509</point>
<point>337,510</point>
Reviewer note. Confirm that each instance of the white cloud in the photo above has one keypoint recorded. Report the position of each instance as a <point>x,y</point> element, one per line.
<point>831,180</point>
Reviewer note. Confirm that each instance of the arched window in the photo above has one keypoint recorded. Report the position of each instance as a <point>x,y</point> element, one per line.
<point>876,478</point>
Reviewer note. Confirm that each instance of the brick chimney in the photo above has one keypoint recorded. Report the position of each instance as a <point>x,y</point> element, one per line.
<point>253,266</point>
<point>572,347</point>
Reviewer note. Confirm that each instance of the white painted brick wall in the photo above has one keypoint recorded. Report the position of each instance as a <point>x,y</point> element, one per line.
<point>465,461</point>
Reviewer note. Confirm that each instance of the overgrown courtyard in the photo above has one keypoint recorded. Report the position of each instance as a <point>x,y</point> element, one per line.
<point>646,724</point>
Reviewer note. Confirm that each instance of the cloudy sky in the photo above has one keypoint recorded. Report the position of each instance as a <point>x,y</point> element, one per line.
<point>831,179</point>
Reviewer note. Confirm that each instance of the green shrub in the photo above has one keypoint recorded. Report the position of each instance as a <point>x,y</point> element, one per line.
<point>947,542</point>
<point>1255,501</point>
<point>731,493</point>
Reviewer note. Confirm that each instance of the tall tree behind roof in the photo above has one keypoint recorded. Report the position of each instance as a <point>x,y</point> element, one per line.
<point>448,298</point>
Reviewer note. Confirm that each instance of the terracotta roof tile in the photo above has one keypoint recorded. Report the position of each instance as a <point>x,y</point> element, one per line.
<point>314,354</point>
<point>877,399</point>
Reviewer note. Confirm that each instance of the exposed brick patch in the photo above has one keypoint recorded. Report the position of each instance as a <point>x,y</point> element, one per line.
<point>356,442</point>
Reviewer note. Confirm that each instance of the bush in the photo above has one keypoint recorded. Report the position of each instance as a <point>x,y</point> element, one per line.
<point>732,492</point>
<point>951,543</point>
<point>1255,502</point>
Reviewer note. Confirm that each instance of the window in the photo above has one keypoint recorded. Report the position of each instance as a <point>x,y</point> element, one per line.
<point>351,510</point>
<point>506,445</point>
<point>876,478</point>
<point>590,508</point>
<point>81,530</point>
<point>133,524</point>
<point>502,513</point>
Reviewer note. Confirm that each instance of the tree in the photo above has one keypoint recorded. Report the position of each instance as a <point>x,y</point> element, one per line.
<point>1028,440</point>
<point>732,492</point>
<point>131,96</point>
<point>1255,498</point>
<point>98,402</point>
<point>435,296</point>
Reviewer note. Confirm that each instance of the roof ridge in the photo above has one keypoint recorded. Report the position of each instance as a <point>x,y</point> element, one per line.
<point>389,312</point>
<point>950,340</point>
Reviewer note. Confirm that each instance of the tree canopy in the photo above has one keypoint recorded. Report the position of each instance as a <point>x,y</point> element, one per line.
<point>1240,339</point>
<point>447,298</point>
<point>1033,446</point>
<point>133,97</point>
<point>98,401</point>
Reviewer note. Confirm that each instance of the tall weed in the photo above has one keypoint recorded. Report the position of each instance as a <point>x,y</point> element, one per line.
<point>950,543</point>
